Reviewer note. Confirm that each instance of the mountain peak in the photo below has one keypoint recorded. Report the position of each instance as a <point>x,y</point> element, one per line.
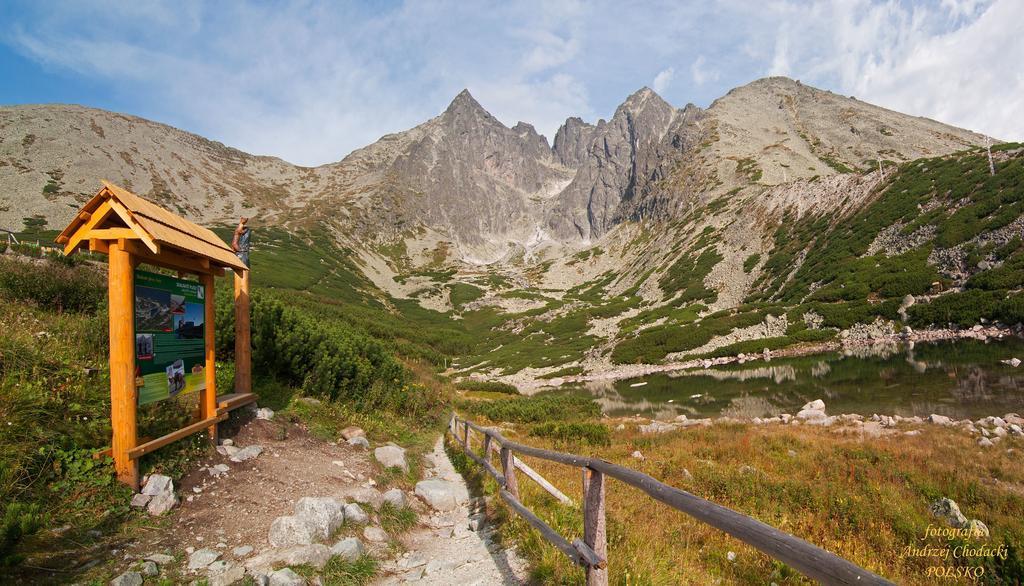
<point>464,102</point>
<point>642,99</point>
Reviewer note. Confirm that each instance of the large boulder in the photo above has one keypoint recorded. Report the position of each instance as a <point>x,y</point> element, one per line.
<point>355,514</point>
<point>391,457</point>
<point>292,530</point>
<point>947,510</point>
<point>441,495</point>
<point>396,498</point>
<point>326,514</point>
<point>813,411</point>
<point>285,577</point>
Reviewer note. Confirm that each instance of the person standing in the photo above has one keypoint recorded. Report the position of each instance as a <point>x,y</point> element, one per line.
<point>240,242</point>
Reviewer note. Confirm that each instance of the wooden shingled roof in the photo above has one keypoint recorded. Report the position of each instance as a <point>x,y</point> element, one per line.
<point>163,235</point>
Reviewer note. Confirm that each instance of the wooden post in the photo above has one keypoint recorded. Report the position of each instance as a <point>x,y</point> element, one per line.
<point>243,340</point>
<point>508,470</point>
<point>208,398</point>
<point>123,392</point>
<point>465,438</point>
<point>486,452</point>
<point>594,524</point>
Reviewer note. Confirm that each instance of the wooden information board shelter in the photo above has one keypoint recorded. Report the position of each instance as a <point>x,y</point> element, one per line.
<point>131,230</point>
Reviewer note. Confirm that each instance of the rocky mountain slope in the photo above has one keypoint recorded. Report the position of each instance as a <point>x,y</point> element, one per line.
<point>612,238</point>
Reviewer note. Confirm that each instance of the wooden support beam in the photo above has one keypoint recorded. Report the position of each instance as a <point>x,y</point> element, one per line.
<point>129,220</point>
<point>208,398</point>
<point>233,401</point>
<point>243,339</point>
<point>594,532</point>
<point>160,442</point>
<point>123,394</point>
<point>508,470</point>
<point>112,234</point>
<point>170,259</point>
<point>540,480</point>
<point>94,221</point>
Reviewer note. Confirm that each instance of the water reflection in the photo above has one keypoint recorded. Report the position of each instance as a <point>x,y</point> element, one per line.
<point>958,379</point>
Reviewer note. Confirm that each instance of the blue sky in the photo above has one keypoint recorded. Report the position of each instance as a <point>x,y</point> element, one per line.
<point>310,81</point>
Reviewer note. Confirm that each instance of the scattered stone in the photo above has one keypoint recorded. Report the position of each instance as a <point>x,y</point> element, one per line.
<point>309,401</point>
<point>439,494</point>
<point>367,496</point>
<point>731,556</point>
<point>227,450</point>
<point>242,551</point>
<point>396,498</point>
<point>912,432</point>
<point>1014,362</point>
<point>658,427</point>
<point>998,431</point>
<point>813,411</point>
<point>139,500</point>
<point>161,503</point>
<point>285,577</point>
<point>939,419</point>
<point>314,554</point>
<point>391,457</point>
<point>687,475</point>
<point>127,579</point>
<point>637,455</point>
<point>227,442</point>
<point>202,558</point>
<point>791,453</point>
<point>351,432</point>
<point>265,413</point>
<point>247,453</point>
<point>326,514</point>
<point>149,568</point>
<point>348,549</point>
<point>356,515</point>
<point>157,484</point>
<point>291,530</point>
<point>947,510</point>
<point>361,442</point>
<point>374,534</point>
<point>219,469</point>
<point>159,558</point>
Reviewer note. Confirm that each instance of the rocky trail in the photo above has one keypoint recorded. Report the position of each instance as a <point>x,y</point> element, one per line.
<point>456,546</point>
<point>275,505</point>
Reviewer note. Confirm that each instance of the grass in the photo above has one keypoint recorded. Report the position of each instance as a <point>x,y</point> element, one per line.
<point>487,386</point>
<point>543,408</point>
<point>862,498</point>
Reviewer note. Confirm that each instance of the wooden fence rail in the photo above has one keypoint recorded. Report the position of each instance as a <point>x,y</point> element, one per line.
<point>591,552</point>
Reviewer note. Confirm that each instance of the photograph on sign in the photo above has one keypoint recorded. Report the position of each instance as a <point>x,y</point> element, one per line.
<point>169,334</point>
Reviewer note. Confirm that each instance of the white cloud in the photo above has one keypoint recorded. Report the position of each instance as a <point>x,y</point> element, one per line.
<point>663,79</point>
<point>700,72</point>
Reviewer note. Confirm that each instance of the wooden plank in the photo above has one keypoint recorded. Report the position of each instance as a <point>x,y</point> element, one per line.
<point>75,238</point>
<point>112,233</point>
<point>594,531</point>
<point>233,401</point>
<point>123,394</point>
<point>133,223</point>
<point>208,397</point>
<point>175,436</point>
<point>591,559</point>
<point>549,534</point>
<point>540,480</point>
<point>508,468</point>
<point>170,259</point>
<point>243,339</point>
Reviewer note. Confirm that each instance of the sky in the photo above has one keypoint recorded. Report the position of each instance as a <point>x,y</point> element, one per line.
<point>309,81</point>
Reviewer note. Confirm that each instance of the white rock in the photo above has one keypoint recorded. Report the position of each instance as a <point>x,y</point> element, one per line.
<point>939,419</point>
<point>161,503</point>
<point>231,574</point>
<point>158,484</point>
<point>265,413</point>
<point>159,558</point>
<point>998,431</point>
<point>242,551</point>
<point>440,495</point>
<point>285,577</point>
<point>731,556</point>
<point>227,442</point>
<point>127,579</point>
<point>391,457</point>
<point>291,530</point>
<point>367,496</point>
<point>659,427</point>
<point>356,515</point>
<point>985,442</point>
<point>326,514</point>
<point>374,534</point>
<point>361,442</point>
<point>202,558</point>
<point>348,549</point>
<point>247,453</point>
<point>227,450</point>
<point>139,500</point>
<point>396,498</point>
<point>637,455</point>
<point>315,555</point>
<point>811,415</point>
<point>815,405</point>
<point>149,568</point>
<point>351,432</point>
<point>219,469</point>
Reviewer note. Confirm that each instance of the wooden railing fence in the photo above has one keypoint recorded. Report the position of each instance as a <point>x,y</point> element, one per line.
<point>591,552</point>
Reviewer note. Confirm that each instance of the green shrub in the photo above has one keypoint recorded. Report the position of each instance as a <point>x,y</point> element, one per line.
<point>573,432</point>
<point>490,386</point>
<point>17,522</point>
<point>535,409</point>
<point>751,262</point>
<point>52,285</point>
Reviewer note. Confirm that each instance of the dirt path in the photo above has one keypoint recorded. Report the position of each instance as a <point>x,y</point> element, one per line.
<point>447,550</point>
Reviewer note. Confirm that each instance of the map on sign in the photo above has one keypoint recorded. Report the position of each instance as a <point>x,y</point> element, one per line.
<point>169,336</point>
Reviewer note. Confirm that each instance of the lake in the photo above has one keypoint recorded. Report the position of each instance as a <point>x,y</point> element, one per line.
<point>960,379</point>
